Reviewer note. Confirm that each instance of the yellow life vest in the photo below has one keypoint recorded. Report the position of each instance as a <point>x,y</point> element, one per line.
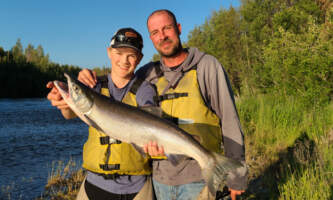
<point>185,106</point>
<point>106,156</point>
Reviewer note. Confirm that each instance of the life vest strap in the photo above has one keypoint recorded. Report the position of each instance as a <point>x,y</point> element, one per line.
<point>103,80</point>
<point>170,96</point>
<point>109,167</point>
<point>110,176</point>
<point>108,140</point>
<point>136,85</point>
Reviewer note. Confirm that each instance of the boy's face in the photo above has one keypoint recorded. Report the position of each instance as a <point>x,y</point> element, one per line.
<point>124,61</point>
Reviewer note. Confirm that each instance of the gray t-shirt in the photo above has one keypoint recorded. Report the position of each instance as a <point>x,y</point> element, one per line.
<point>124,184</point>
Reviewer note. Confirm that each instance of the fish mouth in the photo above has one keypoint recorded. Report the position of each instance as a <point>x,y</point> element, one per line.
<point>75,94</point>
<point>63,91</point>
<point>63,88</point>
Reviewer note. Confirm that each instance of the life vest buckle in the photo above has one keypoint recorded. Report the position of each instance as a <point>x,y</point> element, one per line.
<point>108,140</point>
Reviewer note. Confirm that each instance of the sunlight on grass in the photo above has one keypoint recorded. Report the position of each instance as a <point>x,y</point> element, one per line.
<point>288,148</point>
<point>64,181</point>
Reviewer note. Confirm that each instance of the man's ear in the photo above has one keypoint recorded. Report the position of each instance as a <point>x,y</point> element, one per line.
<point>179,29</point>
<point>108,50</point>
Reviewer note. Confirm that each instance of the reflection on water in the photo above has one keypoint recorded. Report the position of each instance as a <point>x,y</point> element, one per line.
<point>33,134</point>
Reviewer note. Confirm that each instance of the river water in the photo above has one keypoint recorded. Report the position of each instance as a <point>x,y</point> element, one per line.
<point>33,135</point>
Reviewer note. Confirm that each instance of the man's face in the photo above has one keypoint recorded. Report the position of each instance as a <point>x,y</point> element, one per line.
<point>164,34</point>
<point>124,61</point>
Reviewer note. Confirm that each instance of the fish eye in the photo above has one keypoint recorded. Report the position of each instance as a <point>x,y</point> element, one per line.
<point>75,89</point>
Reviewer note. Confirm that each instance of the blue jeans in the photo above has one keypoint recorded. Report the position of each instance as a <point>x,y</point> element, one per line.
<point>178,192</point>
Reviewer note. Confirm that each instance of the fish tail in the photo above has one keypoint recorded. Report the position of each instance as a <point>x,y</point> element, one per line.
<point>215,172</point>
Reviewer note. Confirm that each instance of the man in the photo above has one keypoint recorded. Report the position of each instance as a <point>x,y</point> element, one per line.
<point>195,93</point>
<point>111,174</point>
<point>209,96</point>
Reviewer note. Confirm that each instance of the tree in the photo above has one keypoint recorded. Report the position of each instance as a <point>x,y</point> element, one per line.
<point>301,64</point>
<point>25,74</point>
<point>17,51</point>
<point>220,36</point>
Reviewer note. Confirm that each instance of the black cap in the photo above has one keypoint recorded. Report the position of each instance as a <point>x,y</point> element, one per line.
<point>127,37</point>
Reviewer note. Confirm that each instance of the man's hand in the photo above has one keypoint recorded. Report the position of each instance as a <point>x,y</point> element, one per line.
<point>88,77</point>
<point>55,97</point>
<point>234,193</point>
<point>153,149</point>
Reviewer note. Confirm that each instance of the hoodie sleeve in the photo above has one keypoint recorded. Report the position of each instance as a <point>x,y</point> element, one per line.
<point>217,93</point>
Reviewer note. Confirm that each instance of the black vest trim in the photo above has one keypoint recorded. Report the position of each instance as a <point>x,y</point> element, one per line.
<point>136,85</point>
<point>103,80</point>
<point>110,167</point>
<point>170,96</point>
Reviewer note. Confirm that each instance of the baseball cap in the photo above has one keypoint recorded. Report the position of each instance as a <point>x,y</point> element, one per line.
<point>127,37</point>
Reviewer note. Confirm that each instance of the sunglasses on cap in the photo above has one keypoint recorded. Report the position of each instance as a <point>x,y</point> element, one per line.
<point>121,39</point>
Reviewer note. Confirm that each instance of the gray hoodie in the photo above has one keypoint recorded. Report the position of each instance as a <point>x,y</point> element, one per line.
<point>218,96</point>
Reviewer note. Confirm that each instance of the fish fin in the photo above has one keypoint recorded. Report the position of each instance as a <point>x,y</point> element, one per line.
<point>93,124</point>
<point>197,138</point>
<point>217,171</point>
<point>155,110</point>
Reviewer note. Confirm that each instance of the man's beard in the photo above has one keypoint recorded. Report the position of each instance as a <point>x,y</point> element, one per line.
<point>175,50</point>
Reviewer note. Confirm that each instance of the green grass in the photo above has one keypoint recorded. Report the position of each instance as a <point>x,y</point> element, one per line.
<point>288,148</point>
<point>310,183</point>
<point>64,181</point>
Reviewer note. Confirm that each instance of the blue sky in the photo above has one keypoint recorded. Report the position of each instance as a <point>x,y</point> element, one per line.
<point>78,32</point>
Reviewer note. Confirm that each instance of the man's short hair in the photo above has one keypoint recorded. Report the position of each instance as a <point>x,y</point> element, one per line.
<point>168,12</point>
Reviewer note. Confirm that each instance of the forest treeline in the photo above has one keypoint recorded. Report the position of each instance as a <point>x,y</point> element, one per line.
<point>25,72</point>
<point>282,47</point>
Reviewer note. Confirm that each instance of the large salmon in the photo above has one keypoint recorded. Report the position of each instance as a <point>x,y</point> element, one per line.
<point>133,125</point>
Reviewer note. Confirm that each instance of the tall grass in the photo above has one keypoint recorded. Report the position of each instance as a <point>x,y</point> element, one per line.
<point>64,181</point>
<point>289,148</point>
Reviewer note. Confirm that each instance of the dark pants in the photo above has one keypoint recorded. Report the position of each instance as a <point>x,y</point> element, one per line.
<point>96,193</point>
